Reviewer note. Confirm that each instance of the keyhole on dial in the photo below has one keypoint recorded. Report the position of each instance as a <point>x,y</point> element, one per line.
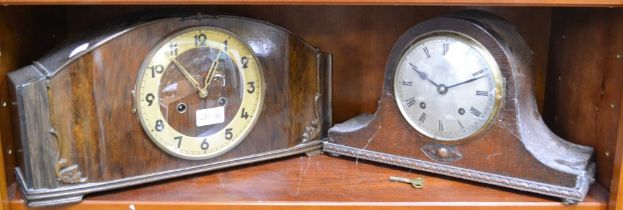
<point>461,111</point>
<point>222,101</point>
<point>181,107</point>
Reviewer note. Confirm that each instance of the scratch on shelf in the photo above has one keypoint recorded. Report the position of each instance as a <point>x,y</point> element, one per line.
<point>302,173</point>
<point>220,180</point>
<point>493,155</point>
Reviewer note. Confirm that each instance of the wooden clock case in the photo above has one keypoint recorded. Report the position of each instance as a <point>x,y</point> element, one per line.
<point>78,134</point>
<point>517,150</point>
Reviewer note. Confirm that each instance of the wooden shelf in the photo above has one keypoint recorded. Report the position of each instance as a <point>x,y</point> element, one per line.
<point>318,182</point>
<point>564,3</point>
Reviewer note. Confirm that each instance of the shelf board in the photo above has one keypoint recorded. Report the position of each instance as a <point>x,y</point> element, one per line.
<point>557,3</point>
<point>318,182</point>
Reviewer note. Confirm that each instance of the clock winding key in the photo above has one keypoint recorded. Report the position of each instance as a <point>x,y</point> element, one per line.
<point>417,183</point>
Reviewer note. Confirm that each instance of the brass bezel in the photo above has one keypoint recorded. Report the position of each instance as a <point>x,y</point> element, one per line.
<point>242,135</point>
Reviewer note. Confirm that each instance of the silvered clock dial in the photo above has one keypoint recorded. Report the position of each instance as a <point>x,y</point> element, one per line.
<point>199,92</point>
<point>448,87</point>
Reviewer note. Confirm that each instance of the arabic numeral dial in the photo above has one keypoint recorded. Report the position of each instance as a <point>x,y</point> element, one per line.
<point>199,92</point>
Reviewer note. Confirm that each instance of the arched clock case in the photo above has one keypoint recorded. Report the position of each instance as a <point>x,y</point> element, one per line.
<point>153,98</point>
<point>509,145</point>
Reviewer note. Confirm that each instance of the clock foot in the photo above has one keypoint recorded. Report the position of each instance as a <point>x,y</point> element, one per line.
<point>55,201</point>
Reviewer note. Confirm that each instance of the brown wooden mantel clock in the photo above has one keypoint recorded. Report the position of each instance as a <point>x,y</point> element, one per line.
<point>458,100</point>
<point>159,98</point>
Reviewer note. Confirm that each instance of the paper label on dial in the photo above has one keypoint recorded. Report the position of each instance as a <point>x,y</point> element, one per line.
<point>210,116</point>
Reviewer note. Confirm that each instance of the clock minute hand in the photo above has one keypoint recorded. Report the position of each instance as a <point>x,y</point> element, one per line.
<point>466,81</point>
<point>202,93</point>
<point>423,75</point>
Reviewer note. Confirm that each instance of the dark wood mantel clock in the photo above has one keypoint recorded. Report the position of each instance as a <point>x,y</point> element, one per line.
<point>158,98</point>
<point>458,100</point>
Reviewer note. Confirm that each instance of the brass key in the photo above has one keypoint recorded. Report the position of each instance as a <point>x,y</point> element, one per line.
<point>417,183</point>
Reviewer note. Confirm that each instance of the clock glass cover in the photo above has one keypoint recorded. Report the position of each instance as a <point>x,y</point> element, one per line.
<point>199,92</point>
<point>447,86</point>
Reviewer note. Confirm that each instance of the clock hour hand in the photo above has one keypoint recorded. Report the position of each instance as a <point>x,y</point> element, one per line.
<point>466,81</point>
<point>202,93</point>
<point>423,75</point>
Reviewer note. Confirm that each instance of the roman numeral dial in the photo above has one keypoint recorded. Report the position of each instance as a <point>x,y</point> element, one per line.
<point>447,87</point>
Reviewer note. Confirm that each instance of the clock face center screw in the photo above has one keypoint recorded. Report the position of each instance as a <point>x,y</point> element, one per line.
<point>461,111</point>
<point>181,107</point>
<point>422,105</point>
<point>442,89</point>
<point>203,94</point>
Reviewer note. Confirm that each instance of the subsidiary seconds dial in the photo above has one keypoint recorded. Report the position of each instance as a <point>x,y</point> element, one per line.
<point>448,87</point>
<point>199,92</point>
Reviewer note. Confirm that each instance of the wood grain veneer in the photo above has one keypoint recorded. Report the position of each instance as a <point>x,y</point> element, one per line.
<point>77,127</point>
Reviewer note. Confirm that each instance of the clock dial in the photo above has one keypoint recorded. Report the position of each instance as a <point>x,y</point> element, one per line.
<point>448,87</point>
<point>199,92</point>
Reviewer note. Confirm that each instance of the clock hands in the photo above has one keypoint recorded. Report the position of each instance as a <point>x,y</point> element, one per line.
<point>202,93</point>
<point>441,88</point>
<point>211,71</point>
<point>466,81</point>
<point>423,75</point>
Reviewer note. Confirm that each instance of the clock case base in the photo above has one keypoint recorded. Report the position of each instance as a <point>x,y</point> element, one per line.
<point>77,131</point>
<point>517,151</point>
<point>569,195</point>
<point>50,197</point>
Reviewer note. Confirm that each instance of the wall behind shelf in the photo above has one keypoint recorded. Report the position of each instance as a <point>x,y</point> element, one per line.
<point>584,81</point>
